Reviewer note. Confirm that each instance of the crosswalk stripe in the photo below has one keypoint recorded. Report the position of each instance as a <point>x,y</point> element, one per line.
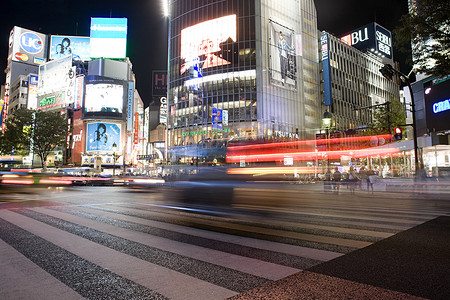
<point>247,265</point>
<point>152,276</point>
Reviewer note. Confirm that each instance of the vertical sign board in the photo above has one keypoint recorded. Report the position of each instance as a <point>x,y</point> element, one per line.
<point>159,83</point>
<point>136,128</point>
<point>383,41</point>
<point>130,105</point>
<point>32,92</point>
<point>324,42</point>
<point>79,92</point>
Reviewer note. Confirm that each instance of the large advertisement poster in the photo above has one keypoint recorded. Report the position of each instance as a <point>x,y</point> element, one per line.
<point>200,44</point>
<point>56,83</point>
<point>27,46</point>
<point>61,46</point>
<point>102,136</point>
<point>282,53</point>
<point>108,37</point>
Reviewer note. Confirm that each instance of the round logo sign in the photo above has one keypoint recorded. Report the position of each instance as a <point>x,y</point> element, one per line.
<point>31,43</point>
<point>21,56</point>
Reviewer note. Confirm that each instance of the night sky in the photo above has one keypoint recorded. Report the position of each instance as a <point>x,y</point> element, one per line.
<point>147,38</point>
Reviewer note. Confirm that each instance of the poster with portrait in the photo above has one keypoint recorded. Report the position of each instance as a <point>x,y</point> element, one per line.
<point>61,46</point>
<point>282,55</point>
<point>101,136</point>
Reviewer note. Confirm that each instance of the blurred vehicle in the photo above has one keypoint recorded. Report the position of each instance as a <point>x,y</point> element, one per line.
<point>148,183</point>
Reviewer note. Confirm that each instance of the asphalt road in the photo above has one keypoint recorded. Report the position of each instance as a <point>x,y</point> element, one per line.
<point>286,242</point>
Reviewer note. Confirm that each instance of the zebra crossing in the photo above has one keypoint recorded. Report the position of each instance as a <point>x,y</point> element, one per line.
<point>147,250</point>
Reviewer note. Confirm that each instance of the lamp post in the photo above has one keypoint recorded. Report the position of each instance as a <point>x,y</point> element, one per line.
<point>326,123</point>
<point>114,149</point>
<point>388,72</point>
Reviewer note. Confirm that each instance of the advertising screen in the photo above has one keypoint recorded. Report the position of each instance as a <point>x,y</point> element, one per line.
<point>283,59</point>
<point>200,43</point>
<point>102,136</point>
<point>105,97</point>
<point>437,104</point>
<point>27,46</point>
<point>108,37</point>
<point>61,46</point>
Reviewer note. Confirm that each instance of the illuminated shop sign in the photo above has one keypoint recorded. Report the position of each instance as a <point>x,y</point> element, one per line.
<point>437,104</point>
<point>108,37</point>
<point>371,37</point>
<point>32,92</point>
<point>27,46</point>
<point>200,43</point>
<point>163,111</point>
<point>324,42</point>
<point>441,106</point>
<point>130,105</point>
<point>204,132</point>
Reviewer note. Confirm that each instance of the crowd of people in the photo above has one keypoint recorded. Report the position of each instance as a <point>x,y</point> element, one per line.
<point>352,179</point>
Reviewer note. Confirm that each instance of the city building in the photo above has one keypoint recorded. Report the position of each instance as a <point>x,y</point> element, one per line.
<point>352,82</point>
<point>241,69</point>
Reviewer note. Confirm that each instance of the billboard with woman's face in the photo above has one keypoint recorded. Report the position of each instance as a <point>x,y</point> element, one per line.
<point>101,137</point>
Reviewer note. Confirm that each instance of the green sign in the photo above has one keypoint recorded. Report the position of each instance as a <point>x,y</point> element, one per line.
<point>200,132</point>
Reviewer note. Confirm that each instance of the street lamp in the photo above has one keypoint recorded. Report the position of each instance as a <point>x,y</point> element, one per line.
<point>388,72</point>
<point>326,123</point>
<point>114,149</point>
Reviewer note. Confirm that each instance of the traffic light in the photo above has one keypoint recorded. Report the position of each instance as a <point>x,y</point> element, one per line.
<point>398,133</point>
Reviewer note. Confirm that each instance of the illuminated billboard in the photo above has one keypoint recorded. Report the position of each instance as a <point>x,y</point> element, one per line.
<point>102,136</point>
<point>283,56</point>
<point>108,37</point>
<point>61,46</point>
<point>371,37</point>
<point>104,97</point>
<point>200,43</point>
<point>56,84</point>
<point>27,46</point>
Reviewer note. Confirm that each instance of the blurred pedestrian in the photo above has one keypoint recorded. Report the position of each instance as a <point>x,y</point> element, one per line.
<point>352,179</point>
<point>363,177</point>
<point>372,176</point>
<point>337,176</point>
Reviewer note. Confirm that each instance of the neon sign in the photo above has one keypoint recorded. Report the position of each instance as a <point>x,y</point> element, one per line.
<point>441,106</point>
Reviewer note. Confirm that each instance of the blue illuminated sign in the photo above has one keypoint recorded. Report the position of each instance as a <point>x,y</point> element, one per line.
<point>31,43</point>
<point>326,69</point>
<point>441,106</point>
<point>108,37</point>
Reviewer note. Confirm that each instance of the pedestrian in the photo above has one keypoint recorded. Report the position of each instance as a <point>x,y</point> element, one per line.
<point>352,179</point>
<point>363,177</point>
<point>371,179</point>
<point>327,180</point>
<point>337,176</point>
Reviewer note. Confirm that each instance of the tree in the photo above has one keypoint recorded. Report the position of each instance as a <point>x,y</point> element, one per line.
<point>381,117</point>
<point>50,131</point>
<point>17,135</point>
<point>427,28</point>
<point>40,132</point>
